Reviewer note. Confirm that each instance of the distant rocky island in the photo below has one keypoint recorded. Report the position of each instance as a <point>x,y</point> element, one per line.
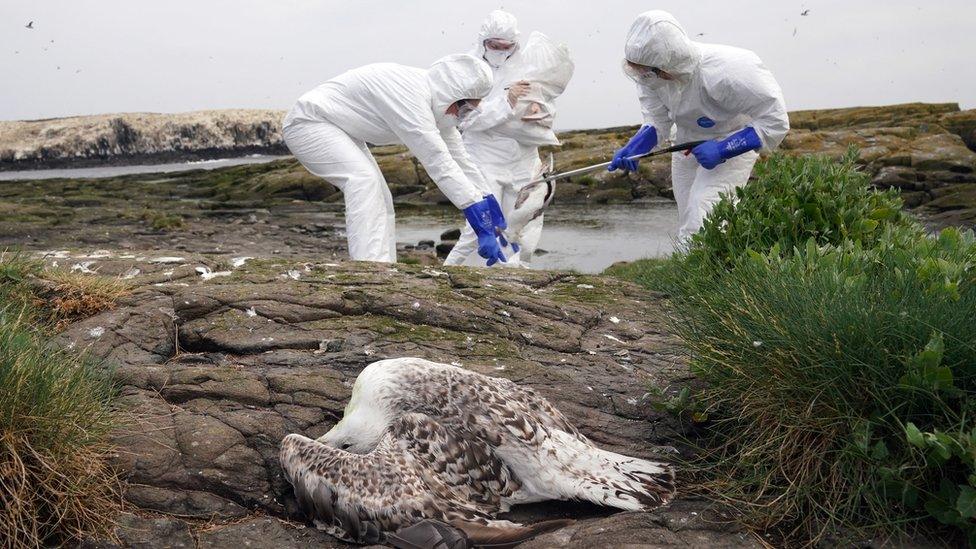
<point>138,138</point>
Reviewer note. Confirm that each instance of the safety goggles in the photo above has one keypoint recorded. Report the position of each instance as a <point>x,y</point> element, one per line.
<point>499,44</point>
<point>641,70</point>
<point>641,73</point>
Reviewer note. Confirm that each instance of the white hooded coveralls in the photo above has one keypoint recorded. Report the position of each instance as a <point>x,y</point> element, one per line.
<point>507,164</point>
<point>328,128</point>
<point>719,90</point>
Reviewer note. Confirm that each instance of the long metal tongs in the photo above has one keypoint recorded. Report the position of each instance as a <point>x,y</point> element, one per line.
<point>580,171</point>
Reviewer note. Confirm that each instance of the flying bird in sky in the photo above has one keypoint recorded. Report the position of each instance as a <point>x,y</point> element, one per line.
<point>423,440</point>
<point>805,13</point>
<point>29,25</point>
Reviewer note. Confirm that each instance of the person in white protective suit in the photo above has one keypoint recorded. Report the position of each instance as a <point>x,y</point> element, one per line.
<point>503,136</point>
<point>328,128</point>
<point>720,94</point>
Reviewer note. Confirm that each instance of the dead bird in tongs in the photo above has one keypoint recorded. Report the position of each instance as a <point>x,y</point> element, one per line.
<point>532,199</point>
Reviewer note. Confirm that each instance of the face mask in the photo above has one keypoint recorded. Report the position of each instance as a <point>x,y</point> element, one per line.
<point>497,58</point>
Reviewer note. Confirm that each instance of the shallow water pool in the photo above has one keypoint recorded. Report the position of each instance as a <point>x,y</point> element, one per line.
<point>115,171</point>
<point>585,238</point>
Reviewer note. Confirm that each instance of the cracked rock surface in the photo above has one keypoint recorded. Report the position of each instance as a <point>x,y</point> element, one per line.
<point>214,373</point>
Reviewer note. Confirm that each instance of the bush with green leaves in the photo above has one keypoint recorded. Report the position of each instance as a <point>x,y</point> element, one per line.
<point>793,199</point>
<point>838,342</point>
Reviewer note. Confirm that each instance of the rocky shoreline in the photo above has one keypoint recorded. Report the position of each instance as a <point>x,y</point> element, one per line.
<point>144,159</point>
<point>924,150</point>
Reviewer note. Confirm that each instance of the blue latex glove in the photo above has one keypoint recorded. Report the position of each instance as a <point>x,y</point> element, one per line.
<point>479,215</point>
<point>713,153</point>
<point>643,141</point>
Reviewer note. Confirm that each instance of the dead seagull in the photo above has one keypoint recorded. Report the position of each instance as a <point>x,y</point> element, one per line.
<point>420,439</point>
<point>29,25</point>
<point>530,203</point>
<point>418,472</point>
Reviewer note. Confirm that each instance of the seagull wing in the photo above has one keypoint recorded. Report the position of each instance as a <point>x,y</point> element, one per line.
<point>456,459</point>
<point>523,411</point>
<point>362,497</point>
<point>541,192</point>
<point>472,403</point>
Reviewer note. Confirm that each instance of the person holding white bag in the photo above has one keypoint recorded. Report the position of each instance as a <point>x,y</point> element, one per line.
<point>503,136</point>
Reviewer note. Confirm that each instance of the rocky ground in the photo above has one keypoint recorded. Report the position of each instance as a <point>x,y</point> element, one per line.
<point>220,356</point>
<point>217,368</point>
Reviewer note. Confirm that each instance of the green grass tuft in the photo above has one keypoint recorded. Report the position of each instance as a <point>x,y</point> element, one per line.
<point>55,415</point>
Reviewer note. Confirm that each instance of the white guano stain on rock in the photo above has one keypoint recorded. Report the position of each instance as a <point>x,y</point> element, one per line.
<point>83,267</point>
<point>167,259</point>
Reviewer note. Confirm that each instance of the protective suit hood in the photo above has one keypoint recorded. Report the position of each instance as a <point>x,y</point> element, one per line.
<point>498,24</point>
<point>656,39</point>
<point>456,77</point>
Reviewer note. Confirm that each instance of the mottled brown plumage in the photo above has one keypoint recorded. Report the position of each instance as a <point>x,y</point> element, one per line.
<point>439,442</point>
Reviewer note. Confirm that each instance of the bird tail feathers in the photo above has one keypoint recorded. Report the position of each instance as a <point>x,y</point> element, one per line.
<point>625,482</point>
<point>607,478</point>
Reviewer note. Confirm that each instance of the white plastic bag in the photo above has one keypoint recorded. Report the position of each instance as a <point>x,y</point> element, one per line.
<point>547,66</point>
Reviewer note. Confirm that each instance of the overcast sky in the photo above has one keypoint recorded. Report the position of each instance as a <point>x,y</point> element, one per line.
<point>87,56</point>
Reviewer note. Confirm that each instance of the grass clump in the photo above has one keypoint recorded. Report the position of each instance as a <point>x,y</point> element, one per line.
<point>55,297</point>
<point>652,273</point>
<point>161,221</point>
<point>55,415</point>
<point>838,343</point>
<point>818,362</point>
<point>17,272</point>
<point>68,296</point>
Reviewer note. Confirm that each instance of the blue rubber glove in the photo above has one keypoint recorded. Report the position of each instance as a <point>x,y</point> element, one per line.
<point>712,153</point>
<point>479,215</point>
<point>496,212</point>
<point>643,141</point>
<point>497,218</point>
